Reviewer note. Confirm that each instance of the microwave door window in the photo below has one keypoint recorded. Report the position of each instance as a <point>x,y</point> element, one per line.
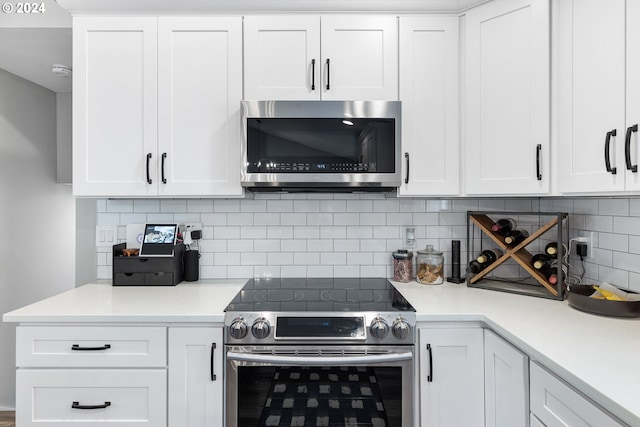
<point>315,145</point>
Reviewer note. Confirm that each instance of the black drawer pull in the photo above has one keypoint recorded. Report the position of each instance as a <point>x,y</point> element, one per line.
<point>430,377</point>
<point>77,405</point>
<point>149,180</point>
<point>76,347</point>
<point>627,148</point>
<point>313,74</point>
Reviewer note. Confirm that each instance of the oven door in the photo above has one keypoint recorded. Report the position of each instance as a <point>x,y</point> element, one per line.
<point>324,386</point>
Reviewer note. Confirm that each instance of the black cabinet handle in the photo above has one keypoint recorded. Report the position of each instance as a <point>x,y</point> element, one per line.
<point>328,76</point>
<point>313,74</point>
<point>77,405</point>
<point>627,148</point>
<point>76,347</point>
<point>164,156</point>
<point>538,174</point>
<point>430,377</point>
<point>213,348</point>
<point>149,180</point>
<point>406,178</point>
<point>607,160</point>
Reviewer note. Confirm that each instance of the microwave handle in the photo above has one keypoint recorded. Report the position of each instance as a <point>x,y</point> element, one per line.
<point>319,360</point>
<point>406,157</point>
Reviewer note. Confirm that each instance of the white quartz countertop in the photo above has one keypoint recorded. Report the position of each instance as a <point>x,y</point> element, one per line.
<point>202,301</point>
<point>600,356</point>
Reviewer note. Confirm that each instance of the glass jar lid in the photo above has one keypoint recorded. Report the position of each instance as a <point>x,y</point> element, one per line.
<point>429,251</point>
<point>402,254</point>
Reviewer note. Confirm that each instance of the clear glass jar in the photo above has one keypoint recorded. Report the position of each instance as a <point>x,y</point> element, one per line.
<point>430,266</point>
<point>402,265</point>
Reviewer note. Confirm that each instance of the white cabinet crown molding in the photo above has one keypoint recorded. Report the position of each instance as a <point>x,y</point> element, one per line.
<point>105,7</point>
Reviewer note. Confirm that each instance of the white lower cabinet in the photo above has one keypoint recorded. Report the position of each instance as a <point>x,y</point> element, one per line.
<point>555,404</point>
<point>90,397</point>
<point>196,382</point>
<point>451,380</point>
<point>506,387</point>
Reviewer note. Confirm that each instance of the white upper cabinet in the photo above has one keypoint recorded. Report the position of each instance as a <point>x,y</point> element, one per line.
<point>632,147</point>
<point>429,94</point>
<point>199,93</point>
<point>156,106</point>
<point>114,106</point>
<point>507,130</point>
<point>337,57</point>
<point>591,95</point>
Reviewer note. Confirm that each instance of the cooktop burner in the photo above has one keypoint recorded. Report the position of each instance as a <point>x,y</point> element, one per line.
<point>319,295</point>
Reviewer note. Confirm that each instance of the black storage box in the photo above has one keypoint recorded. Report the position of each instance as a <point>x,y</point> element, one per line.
<point>147,271</point>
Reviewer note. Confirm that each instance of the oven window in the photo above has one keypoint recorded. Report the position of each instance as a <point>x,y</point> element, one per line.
<point>319,396</point>
<point>320,145</point>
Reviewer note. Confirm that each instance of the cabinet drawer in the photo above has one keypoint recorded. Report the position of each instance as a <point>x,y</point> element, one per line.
<point>556,404</point>
<point>82,347</point>
<point>46,397</point>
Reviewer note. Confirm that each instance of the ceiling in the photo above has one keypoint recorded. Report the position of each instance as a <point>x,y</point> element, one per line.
<point>30,52</point>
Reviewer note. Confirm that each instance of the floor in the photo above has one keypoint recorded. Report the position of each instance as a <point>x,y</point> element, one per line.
<point>7,419</point>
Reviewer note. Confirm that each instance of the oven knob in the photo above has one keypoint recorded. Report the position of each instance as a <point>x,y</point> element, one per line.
<point>238,328</point>
<point>401,328</point>
<point>260,328</point>
<point>379,328</point>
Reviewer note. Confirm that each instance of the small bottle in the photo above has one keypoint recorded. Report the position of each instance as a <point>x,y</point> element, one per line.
<point>489,256</point>
<point>503,226</point>
<point>515,237</point>
<point>552,250</point>
<point>541,261</point>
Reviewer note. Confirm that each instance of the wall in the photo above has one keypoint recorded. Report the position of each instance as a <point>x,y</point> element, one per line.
<point>354,235</point>
<point>37,257</point>
<point>54,16</point>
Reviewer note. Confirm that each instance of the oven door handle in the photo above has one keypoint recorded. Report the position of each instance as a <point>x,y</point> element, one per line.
<point>320,360</point>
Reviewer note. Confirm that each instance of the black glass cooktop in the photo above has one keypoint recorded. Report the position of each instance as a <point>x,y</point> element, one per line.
<point>319,295</point>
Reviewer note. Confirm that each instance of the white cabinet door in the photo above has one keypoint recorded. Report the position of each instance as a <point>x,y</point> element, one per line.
<point>282,57</point>
<point>360,57</point>
<point>507,98</point>
<point>114,106</point>
<point>451,377</point>
<point>591,95</point>
<point>557,405</point>
<point>199,94</point>
<point>429,95</point>
<point>506,387</point>
<point>333,57</point>
<point>633,94</point>
<point>195,377</point>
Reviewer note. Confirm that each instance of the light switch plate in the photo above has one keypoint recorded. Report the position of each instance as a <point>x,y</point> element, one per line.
<point>106,235</point>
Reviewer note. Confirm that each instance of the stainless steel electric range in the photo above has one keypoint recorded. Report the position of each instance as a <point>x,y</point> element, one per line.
<point>322,352</point>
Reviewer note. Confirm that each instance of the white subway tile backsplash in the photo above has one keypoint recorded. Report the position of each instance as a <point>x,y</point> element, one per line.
<point>627,225</point>
<point>619,207</point>
<point>173,205</point>
<point>199,206</point>
<point>314,235</point>
<point>119,205</point>
<point>346,219</point>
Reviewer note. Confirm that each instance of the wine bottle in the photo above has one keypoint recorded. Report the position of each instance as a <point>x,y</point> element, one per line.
<point>489,256</point>
<point>551,274</point>
<point>541,261</point>
<point>503,226</point>
<point>515,237</point>
<point>552,250</point>
<point>475,267</point>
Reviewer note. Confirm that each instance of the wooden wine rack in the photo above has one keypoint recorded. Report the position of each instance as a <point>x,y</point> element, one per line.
<point>518,253</point>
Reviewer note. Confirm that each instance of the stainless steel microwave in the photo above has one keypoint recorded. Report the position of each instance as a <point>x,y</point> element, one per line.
<point>321,145</point>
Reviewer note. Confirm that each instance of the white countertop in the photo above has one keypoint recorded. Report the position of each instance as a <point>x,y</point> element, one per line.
<point>600,356</point>
<point>202,301</point>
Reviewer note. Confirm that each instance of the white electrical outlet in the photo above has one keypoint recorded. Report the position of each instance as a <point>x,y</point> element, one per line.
<point>589,239</point>
<point>193,226</point>
<point>410,237</point>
